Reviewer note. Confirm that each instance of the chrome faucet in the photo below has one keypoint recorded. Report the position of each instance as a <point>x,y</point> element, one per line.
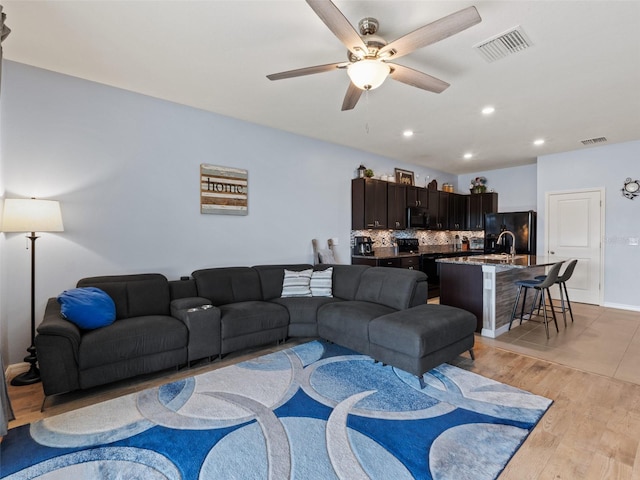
<point>512,250</point>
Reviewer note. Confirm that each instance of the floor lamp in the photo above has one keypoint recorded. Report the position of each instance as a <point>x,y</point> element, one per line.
<point>31,215</point>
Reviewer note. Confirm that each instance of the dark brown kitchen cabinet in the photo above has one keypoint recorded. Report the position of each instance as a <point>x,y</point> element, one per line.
<point>438,210</point>
<point>458,211</point>
<point>368,203</point>
<point>396,206</point>
<point>412,263</point>
<point>479,204</point>
<point>417,197</point>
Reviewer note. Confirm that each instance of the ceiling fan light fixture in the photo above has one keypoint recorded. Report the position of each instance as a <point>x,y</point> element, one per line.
<point>368,74</point>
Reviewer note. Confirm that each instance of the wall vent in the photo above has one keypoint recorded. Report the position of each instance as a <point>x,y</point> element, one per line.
<point>506,43</point>
<point>593,141</point>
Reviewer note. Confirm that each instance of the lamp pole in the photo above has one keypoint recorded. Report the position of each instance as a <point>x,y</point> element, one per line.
<point>33,374</point>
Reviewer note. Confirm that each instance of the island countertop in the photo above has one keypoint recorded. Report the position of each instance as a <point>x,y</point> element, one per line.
<point>497,260</point>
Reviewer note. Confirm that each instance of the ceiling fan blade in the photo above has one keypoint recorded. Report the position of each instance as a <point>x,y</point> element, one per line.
<point>417,79</point>
<point>352,97</point>
<point>339,25</point>
<point>432,33</point>
<point>306,71</point>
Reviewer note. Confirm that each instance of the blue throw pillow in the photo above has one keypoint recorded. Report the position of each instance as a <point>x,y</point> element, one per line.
<point>87,307</point>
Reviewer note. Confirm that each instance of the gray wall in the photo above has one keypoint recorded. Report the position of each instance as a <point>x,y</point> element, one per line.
<point>125,168</point>
<point>602,167</point>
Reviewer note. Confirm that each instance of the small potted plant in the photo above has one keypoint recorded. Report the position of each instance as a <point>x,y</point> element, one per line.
<point>478,185</point>
<point>368,173</point>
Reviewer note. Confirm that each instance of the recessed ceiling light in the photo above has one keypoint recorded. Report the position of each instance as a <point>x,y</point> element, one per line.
<point>539,141</point>
<point>488,110</point>
<point>408,133</point>
<point>468,155</point>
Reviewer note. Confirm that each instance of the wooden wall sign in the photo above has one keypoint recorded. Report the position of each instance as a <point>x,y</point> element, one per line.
<point>223,190</point>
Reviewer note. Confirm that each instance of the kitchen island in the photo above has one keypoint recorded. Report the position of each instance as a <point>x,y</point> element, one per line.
<point>485,286</point>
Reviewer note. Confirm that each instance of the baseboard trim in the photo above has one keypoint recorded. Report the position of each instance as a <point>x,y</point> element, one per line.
<point>620,306</point>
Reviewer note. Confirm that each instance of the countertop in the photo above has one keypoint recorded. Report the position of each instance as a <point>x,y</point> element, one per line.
<point>520,261</point>
<point>391,252</point>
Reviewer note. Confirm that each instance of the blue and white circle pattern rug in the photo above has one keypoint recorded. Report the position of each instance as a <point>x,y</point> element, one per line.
<point>314,411</point>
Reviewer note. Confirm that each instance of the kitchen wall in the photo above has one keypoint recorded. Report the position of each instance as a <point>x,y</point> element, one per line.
<point>125,168</point>
<point>602,167</point>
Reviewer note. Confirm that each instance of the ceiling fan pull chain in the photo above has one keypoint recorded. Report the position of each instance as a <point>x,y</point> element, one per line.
<point>366,100</point>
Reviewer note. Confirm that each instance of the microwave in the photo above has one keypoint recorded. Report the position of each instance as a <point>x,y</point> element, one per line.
<point>417,217</point>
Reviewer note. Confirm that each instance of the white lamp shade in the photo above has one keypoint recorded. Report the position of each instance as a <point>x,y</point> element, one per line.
<point>368,74</point>
<point>31,215</point>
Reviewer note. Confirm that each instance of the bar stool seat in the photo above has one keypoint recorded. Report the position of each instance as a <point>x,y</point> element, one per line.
<point>540,286</point>
<point>562,284</point>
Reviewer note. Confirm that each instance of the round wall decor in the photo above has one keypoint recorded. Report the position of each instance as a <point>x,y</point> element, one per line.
<point>631,188</point>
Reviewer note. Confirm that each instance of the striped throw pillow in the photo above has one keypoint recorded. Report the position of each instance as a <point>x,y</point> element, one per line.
<point>296,284</point>
<point>321,283</point>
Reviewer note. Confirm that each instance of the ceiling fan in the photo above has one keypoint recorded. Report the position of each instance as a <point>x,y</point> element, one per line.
<point>368,65</point>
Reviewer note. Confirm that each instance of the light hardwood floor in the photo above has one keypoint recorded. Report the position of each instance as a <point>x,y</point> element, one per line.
<point>592,430</point>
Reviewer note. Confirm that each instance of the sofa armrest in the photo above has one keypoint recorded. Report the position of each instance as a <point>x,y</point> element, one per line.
<point>186,303</point>
<point>57,345</point>
<point>203,322</point>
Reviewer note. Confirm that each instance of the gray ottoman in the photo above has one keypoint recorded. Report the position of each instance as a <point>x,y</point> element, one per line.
<point>420,338</point>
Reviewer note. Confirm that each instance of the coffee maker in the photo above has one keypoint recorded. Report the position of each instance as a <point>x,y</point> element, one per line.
<point>362,246</point>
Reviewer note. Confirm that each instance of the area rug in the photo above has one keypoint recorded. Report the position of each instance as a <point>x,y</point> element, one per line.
<point>313,411</point>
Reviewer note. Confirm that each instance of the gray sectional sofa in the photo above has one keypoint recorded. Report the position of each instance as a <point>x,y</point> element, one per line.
<point>163,324</point>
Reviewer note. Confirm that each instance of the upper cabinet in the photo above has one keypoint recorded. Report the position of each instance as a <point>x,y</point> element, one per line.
<point>368,203</point>
<point>458,211</point>
<point>479,204</point>
<point>383,205</point>
<point>396,206</point>
<point>438,210</point>
<point>417,197</point>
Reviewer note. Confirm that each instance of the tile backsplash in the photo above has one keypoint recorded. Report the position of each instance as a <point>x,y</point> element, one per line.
<point>386,238</point>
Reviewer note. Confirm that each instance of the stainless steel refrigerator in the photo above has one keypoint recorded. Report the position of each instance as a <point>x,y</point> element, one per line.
<point>521,224</point>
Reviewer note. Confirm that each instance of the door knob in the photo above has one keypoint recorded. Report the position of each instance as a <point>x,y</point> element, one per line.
<point>552,253</point>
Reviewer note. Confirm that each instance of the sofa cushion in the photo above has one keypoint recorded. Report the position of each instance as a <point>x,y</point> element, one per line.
<point>296,284</point>
<point>346,279</point>
<point>242,318</point>
<point>228,285</point>
<point>134,295</point>
<point>304,309</point>
<point>347,323</point>
<point>87,307</point>
<point>132,338</point>
<point>421,330</point>
<point>393,287</point>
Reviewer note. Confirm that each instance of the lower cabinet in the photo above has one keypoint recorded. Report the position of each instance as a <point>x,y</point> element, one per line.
<point>409,262</point>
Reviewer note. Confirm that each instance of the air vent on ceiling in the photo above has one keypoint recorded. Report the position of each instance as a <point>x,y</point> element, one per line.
<point>592,141</point>
<point>506,43</point>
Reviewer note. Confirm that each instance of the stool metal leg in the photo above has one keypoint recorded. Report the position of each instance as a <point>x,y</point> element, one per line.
<point>544,313</point>
<point>564,311</point>
<point>553,310</point>
<point>524,301</point>
<point>566,294</point>
<point>515,306</point>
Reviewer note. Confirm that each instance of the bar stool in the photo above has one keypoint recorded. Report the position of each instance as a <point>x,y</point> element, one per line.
<point>562,284</point>
<point>540,286</point>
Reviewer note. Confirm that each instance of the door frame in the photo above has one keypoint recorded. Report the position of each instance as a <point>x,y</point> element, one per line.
<point>601,191</point>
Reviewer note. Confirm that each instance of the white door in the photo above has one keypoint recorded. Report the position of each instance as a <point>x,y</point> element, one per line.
<point>574,228</point>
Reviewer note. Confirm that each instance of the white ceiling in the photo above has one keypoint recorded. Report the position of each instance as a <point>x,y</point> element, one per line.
<point>579,80</point>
